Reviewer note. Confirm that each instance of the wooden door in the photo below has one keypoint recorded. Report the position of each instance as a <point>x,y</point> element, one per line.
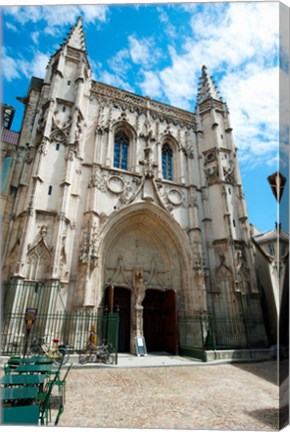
<point>153,322</point>
<point>159,321</point>
<point>121,302</point>
<point>170,322</point>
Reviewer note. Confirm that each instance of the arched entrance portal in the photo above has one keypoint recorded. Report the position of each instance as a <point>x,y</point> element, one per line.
<point>159,321</point>
<point>145,259</point>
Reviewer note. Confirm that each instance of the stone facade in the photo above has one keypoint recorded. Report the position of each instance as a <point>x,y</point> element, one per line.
<point>169,215</point>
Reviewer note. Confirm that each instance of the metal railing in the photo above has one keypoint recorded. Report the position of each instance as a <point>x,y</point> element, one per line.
<point>72,328</point>
<point>205,332</point>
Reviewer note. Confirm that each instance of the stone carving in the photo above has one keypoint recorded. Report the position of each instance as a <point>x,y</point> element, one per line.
<point>127,196</point>
<point>116,184</point>
<point>43,231</point>
<point>242,272</point>
<point>71,153</point>
<point>29,154</point>
<point>157,277</point>
<point>88,250</point>
<point>58,136</point>
<point>212,174</point>
<point>240,192</point>
<point>162,196</point>
<point>224,276</point>
<point>63,261</point>
<point>103,218</point>
<point>119,274</point>
<point>188,151</point>
<point>98,180</point>
<point>42,148</point>
<point>140,288</point>
<point>39,257</point>
<point>61,216</point>
<point>229,174</point>
<point>139,102</point>
<point>148,164</point>
<point>175,197</point>
<point>30,208</point>
<point>123,116</point>
<point>210,157</point>
<point>198,261</point>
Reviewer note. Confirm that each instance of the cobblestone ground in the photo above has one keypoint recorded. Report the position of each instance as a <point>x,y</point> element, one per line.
<point>225,396</point>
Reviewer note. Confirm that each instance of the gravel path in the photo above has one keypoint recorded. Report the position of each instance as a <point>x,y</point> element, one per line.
<point>224,396</point>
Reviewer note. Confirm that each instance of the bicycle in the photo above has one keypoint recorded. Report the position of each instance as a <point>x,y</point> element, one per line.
<point>102,353</point>
<point>57,353</point>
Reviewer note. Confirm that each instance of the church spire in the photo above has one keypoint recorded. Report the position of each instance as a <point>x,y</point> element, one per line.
<point>207,89</point>
<point>76,37</point>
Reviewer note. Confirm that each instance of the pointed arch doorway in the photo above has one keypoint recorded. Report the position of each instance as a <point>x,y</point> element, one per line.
<point>160,321</point>
<point>141,238</point>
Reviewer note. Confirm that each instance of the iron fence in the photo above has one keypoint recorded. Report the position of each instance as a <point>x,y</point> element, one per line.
<point>198,333</point>
<point>72,328</point>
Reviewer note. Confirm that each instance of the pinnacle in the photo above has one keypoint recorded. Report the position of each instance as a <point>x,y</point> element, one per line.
<point>207,89</point>
<point>76,38</point>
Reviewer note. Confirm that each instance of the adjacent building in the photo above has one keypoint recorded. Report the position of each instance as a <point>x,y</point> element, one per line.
<point>9,151</point>
<point>271,264</point>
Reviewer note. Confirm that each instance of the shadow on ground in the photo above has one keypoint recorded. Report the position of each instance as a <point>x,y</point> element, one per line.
<point>258,368</point>
<point>268,416</point>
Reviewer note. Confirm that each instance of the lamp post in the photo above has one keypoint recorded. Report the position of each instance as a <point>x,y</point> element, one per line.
<point>277,183</point>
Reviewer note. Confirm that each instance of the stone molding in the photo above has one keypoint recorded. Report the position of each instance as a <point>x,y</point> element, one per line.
<point>157,109</point>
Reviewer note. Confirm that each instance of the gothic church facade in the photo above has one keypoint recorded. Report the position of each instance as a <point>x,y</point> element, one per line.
<point>126,201</point>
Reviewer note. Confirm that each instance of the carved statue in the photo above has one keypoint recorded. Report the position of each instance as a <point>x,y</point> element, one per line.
<point>43,230</point>
<point>149,165</point>
<point>240,260</point>
<point>140,288</point>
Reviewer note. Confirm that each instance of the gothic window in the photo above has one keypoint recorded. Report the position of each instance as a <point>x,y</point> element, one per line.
<point>121,148</point>
<point>167,156</point>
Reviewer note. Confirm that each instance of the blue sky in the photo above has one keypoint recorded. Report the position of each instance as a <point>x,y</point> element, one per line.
<point>158,50</point>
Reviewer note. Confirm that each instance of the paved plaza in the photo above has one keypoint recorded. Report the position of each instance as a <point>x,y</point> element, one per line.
<point>189,395</point>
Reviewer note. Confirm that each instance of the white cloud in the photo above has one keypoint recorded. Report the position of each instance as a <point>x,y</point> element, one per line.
<point>18,67</point>
<point>24,14</point>
<point>35,36</point>
<point>169,28</point>
<point>94,13</point>
<point>151,85</point>
<point>11,26</point>
<point>39,63</point>
<point>143,51</point>
<point>239,41</point>
<point>114,80</point>
<point>120,63</point>
<point>253,101</point>
<point>11,69</point>
<point>57,16</point>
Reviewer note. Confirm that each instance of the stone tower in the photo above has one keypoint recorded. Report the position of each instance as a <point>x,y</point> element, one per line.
<point>125,201</point>
<point>229,248</point>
